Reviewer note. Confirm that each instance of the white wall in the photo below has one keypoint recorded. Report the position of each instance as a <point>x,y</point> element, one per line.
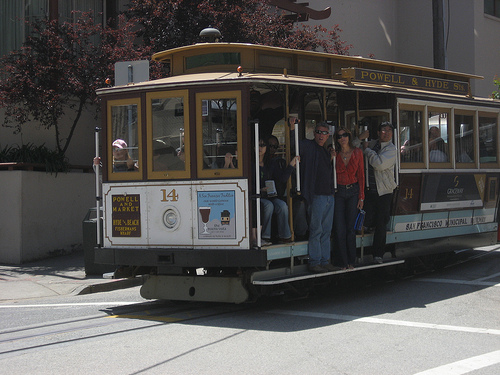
<point>368,25</point>
<point>414,33</point>
<point>42,213</point>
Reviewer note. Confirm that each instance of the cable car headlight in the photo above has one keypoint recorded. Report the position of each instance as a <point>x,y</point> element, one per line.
<point>171,218</point>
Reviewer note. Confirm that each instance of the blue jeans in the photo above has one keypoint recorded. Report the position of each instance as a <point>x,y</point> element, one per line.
<point>280,209</point>
<point>281,212</point>
<point>346,210</point>
<point>320,212</point>
<point>266,215</point>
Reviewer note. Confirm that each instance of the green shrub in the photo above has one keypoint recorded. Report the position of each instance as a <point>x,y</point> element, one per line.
<point>53,161</point>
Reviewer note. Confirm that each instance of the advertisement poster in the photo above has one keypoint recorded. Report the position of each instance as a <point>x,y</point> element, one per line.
<point>216,214</point>
<point>449,191</point>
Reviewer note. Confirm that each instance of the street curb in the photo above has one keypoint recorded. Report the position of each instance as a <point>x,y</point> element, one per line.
<point>113,284</point>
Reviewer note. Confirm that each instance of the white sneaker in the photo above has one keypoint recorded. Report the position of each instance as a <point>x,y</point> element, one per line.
<point>264,242</point>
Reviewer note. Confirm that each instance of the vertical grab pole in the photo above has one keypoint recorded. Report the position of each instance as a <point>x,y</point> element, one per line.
<point>366,163</point>
<point>334,161</point>
<point>98,197</point>
<point>257,182</point>
<point>335,173</point>
<point>362,255</point>
<point>297,153</point>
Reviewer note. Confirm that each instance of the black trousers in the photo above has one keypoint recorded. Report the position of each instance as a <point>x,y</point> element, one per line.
<point>378,213</point>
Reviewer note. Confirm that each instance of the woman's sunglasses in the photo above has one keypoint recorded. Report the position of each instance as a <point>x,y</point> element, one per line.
<point>343,135</point>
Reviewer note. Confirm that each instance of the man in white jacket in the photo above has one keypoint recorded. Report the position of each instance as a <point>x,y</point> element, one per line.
<point>381,156</point>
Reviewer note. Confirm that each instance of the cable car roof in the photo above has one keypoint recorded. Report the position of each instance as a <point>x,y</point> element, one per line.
<point>211,57</point>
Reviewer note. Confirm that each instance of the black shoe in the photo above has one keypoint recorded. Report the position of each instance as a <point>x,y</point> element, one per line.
<point>330,267</point>
<point>317,269</point>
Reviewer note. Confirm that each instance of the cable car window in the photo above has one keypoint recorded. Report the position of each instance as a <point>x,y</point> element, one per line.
<point>313,112</point>
<point>168,149</point>
<point>438,137</point>
<point>488,147</point>
<point>227,58</point>
<point>125,139</point>
<point>219,123</point>
<point>464,138</point>
<point>410,122</point>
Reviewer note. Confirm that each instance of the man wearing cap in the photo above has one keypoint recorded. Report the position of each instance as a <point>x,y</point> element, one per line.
<point>381,155</point>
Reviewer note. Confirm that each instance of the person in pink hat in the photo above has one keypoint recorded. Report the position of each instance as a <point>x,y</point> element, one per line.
<point>122,162</point>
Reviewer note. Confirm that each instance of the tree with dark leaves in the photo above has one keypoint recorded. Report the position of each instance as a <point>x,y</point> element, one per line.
<point>58,70</point>
<point>170,24</point>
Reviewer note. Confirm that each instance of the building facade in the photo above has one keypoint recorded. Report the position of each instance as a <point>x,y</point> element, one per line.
<point>402,31</point>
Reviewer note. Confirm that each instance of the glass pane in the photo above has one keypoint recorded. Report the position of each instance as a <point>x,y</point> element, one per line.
<point>438,137</point>
<point>34,10</point>
<point>125,138</point>
<point>313,113</point>
<point>331,106</point>
<point>227,58</point>
<point>488,139</point>
<point>464,138</point>
<point>11,28</point>
<point>489,7</point>
<point>67,7</point>
<point>219,123</point>
<point>410,123</point>
<point>168,134</point>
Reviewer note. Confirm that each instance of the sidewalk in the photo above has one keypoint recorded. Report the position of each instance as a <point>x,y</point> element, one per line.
<point>61,275</point>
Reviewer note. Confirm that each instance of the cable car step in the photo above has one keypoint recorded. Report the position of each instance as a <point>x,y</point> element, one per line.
<point>284,275</point>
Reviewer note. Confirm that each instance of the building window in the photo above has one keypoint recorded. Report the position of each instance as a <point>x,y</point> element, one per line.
<point>12,15</point>
<point>67,7</point>
<point>492,7</point>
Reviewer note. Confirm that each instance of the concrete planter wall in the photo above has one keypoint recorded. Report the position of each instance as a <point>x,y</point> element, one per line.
<point>42,213</point>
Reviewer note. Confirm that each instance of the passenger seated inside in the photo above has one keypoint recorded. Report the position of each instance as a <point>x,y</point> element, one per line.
<point>165,157</point>
<point>226,157</point>
<point>122,162</point>
<point>271,175</point>
<point>437,146</point>
<point>181,154</point>
<point>300,226</point>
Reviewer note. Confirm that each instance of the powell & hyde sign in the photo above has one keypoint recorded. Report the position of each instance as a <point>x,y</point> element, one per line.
<point>405,80</point>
